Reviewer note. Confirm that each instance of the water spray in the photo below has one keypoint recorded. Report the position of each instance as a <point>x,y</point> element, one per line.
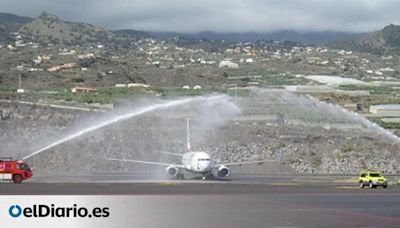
<point>124,117</point>
<point>362,120</point>
<point>309,105</point>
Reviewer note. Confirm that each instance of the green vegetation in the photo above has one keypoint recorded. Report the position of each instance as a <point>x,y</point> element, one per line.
<point>386,125</point>
<point>77,80</point>
<point>263,76</point>
<point>348,147</point>
<point>391,35</point>
<point>384,89</point>
<point>102,96</point>
<point>292,161</point>
<point>316,160</point>
<point>277,146</point>
<point>108,95</point>
<point>394,126</point>
<point>7,88</point>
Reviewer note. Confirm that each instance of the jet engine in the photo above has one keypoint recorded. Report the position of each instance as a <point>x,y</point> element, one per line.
<point>172,171</point>
<point>223,171</point>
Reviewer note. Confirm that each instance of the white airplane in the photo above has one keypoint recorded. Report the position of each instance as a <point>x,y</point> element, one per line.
<point>196,162</point>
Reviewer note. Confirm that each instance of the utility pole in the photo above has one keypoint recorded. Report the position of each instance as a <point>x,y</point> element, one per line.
<point>19,82</point>
<point>20,90</point>
<point>19,85</point>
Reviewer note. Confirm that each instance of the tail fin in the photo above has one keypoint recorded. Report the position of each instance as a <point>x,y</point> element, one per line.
<point>188,147</point>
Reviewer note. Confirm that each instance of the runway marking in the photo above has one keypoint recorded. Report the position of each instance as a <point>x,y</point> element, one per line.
<point>311,180</point>
<point>166,184</point>
<point>283,226</point>
<point>350,180</point>
<point>348,187</point>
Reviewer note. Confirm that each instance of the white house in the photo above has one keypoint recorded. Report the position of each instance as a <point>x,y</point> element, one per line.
<point>228,64</point>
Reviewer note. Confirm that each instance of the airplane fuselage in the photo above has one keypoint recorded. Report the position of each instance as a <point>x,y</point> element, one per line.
<point>197,162</point>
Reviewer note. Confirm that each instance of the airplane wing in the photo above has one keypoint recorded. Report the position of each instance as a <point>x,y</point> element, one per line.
<point>244,163</point>
<point>145,162</point>
<point>169,153</point>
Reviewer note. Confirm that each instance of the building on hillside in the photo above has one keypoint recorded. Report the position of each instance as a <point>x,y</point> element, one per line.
<point>68,65</point>
<point>228,64</point>
<point>83,90</point>
<point>310,89</point>
<point>385,110</point>
<point>54,69</point>
<point>138,85</point>
<point>333,80</point>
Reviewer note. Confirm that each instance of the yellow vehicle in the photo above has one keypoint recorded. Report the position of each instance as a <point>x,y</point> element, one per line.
<point>372,180</point>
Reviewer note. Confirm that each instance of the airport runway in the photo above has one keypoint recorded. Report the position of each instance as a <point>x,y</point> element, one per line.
<point>243,201</point>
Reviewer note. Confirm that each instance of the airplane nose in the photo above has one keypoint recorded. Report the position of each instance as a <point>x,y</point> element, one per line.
<point>205,166</point>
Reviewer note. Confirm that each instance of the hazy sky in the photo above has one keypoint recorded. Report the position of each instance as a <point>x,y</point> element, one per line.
<point>218,15</point>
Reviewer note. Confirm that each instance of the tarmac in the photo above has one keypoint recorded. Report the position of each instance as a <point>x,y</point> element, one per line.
<point>279,200</point>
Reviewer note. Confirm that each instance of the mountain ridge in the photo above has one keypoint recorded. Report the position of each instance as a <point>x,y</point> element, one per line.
<point>10,23</point>
<point>42,26</point>
<point>384,41</point>
<point>313,38</point>
<point>49,28</point>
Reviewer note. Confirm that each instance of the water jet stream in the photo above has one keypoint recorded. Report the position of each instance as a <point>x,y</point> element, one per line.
<point>307,109</point>
<point>125,117</point>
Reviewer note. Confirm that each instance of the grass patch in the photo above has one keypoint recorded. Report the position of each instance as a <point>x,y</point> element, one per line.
<point>108,95</point>
<point>385,89</point>
<point>386,125</point>
<point>316,160</point>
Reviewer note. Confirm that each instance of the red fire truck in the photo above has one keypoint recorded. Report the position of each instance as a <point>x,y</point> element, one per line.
<point>12,170</point>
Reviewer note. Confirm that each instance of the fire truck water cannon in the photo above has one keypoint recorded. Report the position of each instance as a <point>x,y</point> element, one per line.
<point>14,170</point>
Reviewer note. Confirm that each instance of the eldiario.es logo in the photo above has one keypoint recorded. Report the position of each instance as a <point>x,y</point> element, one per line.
<point>41,211</point>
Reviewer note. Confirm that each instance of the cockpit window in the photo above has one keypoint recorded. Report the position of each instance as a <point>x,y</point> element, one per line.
<point>203,159</point>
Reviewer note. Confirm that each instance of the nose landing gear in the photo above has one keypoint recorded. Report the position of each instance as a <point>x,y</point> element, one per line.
<point>207,176</point>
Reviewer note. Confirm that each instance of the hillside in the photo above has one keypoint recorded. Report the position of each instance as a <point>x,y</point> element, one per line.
<point>385,41</point>
<point>10,23</point>
<point>12,18</point>
<point>49,28</point>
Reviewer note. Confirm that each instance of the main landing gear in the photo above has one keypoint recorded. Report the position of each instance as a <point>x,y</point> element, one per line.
<point>180,176</point>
